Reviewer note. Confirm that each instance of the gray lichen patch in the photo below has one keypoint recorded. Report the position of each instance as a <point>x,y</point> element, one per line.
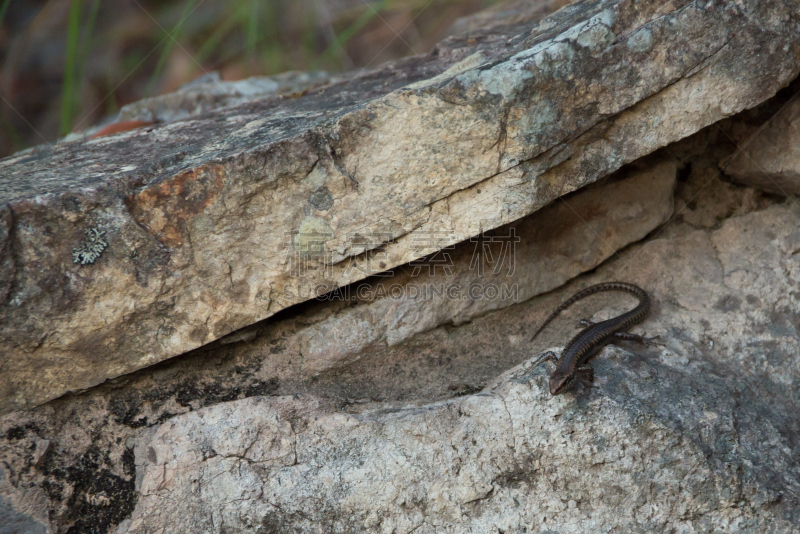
<point>641,41</point>
<point>596,37</point>
<point>321,199</point>
<point>91,248</point>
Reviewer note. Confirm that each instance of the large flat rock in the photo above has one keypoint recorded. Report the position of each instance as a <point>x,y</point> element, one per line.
<point>450,428</point>
<point>701,435</point>
<point>122,251</point>
<point>56,450</point>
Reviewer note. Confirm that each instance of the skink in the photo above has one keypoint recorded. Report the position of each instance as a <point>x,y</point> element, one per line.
<point>573,363</point>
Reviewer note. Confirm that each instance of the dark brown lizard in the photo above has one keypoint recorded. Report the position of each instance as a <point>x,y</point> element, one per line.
<point>573,363</point>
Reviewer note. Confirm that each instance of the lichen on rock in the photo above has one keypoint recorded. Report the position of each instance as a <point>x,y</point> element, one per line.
<point>91,248</point>
<point>585,147</point>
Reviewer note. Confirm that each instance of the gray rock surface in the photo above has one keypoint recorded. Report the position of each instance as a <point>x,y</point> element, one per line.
<point>698,436</point>
<point>368,411</point>
<point>210,93</point>
<point>486,129</point>
<point>512,264</point>
<point>205,94</point>
<point>770,158</point>
<point>450,429</point>
<point>561,240</point>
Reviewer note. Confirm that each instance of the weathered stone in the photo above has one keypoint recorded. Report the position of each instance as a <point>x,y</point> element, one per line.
<point>205,94</point>
<point>497,269</point>
<point>333,417</point>
<point>17,517</point>
<point>210,93</point>
<point>770,159</point>
<point>718,403</point>
<point>200,217</point>
<point>701,435</point>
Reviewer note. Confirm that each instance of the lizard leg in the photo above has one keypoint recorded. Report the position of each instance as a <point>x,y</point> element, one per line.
<point>548,356</point>
<point>585,323</point>
<point>586,374</point>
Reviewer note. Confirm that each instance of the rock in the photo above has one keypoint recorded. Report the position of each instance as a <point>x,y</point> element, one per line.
<point>494,270</point>
<point>393,414</point>
<point>18,517</point>
<point>595,221</point>
<point>42,446</point>
<point>210,93</point>
<point>207,93</point>
<point>511,458</point>
<point>191,225</point>
<point>701,435</point>
<point>13,522</point>
<point>770,160</point>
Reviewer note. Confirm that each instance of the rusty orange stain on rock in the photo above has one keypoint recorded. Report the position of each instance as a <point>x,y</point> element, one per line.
<point>165,208</point>
<point>122,126</point>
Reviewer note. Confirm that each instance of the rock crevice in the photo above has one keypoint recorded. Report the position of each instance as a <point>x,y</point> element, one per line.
<point>545,108</point>
<point>389,242</point>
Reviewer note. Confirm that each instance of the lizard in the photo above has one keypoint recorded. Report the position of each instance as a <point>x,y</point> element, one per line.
<point>573,363</point>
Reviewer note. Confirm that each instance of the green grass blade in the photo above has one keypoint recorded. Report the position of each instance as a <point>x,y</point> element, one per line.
<point>251,30</point>
<point>172,37</point>
<point>205,50</point>
<point>337,46</point>
<point>86,43</point>
<point>3,9</point>
<point>309,36</point>
<point>68,103</point>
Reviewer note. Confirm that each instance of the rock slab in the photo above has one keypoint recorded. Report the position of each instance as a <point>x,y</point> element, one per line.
<point>195,228</point>
<point>770,159</point>
<point>700,435</point>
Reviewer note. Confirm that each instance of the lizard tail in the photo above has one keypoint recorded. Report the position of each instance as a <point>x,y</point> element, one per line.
<point>638,292</point>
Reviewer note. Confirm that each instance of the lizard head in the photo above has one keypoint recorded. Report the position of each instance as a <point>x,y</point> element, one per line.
<point>561,381</point>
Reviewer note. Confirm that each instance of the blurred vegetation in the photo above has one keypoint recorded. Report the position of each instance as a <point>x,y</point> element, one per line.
<point>65,64</point>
